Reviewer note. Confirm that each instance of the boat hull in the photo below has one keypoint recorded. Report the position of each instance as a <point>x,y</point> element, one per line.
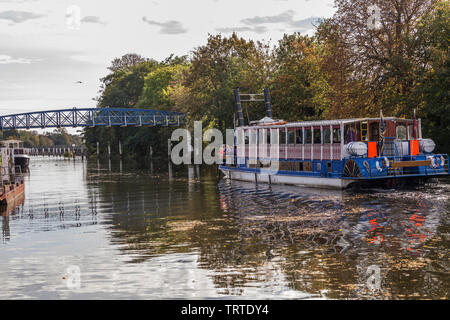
<point>11,193</point>
<point>22,160</point>
<point>296,180</point>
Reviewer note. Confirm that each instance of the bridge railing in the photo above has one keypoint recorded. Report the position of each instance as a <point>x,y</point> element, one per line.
<point>92,117</point>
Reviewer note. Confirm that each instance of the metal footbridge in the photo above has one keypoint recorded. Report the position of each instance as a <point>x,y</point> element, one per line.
<point>91,117</point>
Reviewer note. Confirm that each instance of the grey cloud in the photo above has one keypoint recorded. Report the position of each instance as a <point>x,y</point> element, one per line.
<point>256,29</point>
<point>92,19</point>
<point>284,17</point>
<point>305,24</point>
<point>5,59</point>
<point>168,27</point>
<point>17,1</point>
<point>19,16</point>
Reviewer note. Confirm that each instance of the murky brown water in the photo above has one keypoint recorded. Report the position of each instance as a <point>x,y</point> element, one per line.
<point>154,234</point>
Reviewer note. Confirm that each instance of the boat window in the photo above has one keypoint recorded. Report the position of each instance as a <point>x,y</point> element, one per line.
<point>291,137</point>
<point>350,134</point>
<point>336,135</point>
<point>262,136</point>
<point>326,135</point>
<point>274,136</point>
<point>374,131</point>
<point>283,136</point>
<point>317,136</point>
<point>299,136</point>
<point>240,137</point>
<point>410,131</point>
<point>308,136</point>
<point>253,136</point>
<point>401,132</point>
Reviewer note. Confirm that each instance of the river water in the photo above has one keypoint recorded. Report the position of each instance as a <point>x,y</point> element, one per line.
<point>90,230</point>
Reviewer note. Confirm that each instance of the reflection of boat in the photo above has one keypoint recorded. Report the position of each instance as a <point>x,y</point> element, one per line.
<point>12,184</point>
<point>333,154</point>
<point>20,157</point>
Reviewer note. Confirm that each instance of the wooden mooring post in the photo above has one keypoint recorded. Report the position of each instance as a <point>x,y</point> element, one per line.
<point>169,148</point>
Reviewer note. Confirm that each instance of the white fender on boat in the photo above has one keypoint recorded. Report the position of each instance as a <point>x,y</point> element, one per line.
<point>442,161</point>
<point>379,166</point>
<point>382,163</point>
<point>433,162</point>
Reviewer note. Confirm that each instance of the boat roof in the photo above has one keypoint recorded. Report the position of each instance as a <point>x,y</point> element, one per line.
<point>264,123</point>
<point>11,141</point>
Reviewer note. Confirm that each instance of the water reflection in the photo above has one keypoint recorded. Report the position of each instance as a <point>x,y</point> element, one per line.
<point>190,234</point>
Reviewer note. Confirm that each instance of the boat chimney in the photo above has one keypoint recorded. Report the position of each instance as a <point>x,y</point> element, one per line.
<point>237,97</point>
<point>267,100</point>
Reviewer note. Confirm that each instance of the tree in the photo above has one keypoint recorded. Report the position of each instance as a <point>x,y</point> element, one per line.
<point>155,94</point>
<point>298,86</point>
<point>217,68</point>
<point>126,62</point>
<point>434,35</point>
<point>380,57</point>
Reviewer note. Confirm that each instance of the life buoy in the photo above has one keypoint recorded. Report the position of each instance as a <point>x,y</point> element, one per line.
<point>382,163</point>
<point>433,162</point>
<point>442,161</point>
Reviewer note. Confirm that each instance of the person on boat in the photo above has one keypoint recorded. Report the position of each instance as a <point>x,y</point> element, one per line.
<point>351,136</point>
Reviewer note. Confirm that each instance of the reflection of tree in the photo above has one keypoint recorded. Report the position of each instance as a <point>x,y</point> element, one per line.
<point>250,235</point>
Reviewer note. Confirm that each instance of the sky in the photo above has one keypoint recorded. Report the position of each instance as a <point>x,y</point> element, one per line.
<point>54,52</point>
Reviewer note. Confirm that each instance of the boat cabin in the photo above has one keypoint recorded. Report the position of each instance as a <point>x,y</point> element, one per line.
<point>15,145</point>
<point>329,140</point>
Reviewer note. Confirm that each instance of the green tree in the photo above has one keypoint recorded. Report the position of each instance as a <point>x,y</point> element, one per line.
<point>298,86</point>
<point>434,35</point>
<point>217,68</point>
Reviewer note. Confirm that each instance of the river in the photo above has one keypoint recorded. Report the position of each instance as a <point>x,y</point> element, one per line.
<point>89,230</point>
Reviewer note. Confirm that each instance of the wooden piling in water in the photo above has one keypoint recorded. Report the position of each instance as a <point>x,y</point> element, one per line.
<point>169,148</point>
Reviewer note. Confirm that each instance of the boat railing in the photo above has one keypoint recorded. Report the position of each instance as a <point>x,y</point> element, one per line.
<point>412,170</point>
<point>18,171</point>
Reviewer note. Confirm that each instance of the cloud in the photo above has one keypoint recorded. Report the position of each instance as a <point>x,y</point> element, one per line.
<point>5,59</point>
<point>17,1</point>
<point>256,29</point>
<point>305,24</point>
<point>285,17</point>
<point>168,27</point>
<point>92,19</point>
<point>257,24</point>
<point>19,16</point>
